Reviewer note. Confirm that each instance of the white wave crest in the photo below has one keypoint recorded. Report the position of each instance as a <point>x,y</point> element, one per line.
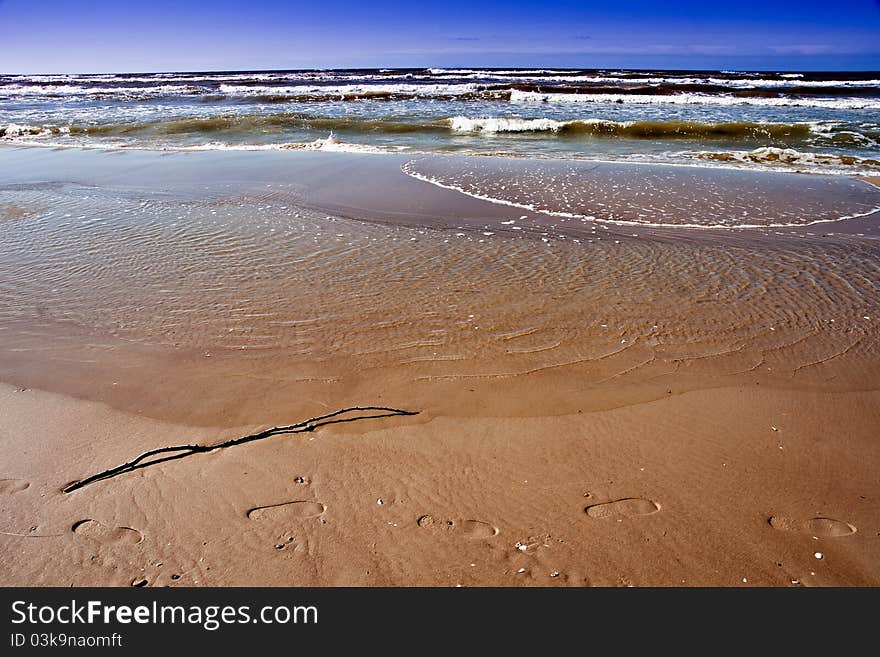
<point>327,144</point>
<point>794,158</point>
<point>349,89</point>
<point>333,145</point>
<point>517,96</point>
<point>495,125</point>
<point>17,131</point>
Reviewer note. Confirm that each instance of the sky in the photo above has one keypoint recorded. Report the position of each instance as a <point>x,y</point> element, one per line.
<point>69,36</point>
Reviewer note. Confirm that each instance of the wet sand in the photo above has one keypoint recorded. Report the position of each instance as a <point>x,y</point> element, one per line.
<point>598,404</point>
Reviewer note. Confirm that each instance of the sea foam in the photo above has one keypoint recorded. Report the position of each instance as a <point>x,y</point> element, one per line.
<point>517,96</point>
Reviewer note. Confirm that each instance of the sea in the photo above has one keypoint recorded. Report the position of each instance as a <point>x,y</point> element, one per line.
<point>812,122</point>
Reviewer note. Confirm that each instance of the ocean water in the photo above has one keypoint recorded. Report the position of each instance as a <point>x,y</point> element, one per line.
<point>793,121</point>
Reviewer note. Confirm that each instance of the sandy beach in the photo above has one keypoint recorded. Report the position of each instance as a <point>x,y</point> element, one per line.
<point>594,403</point>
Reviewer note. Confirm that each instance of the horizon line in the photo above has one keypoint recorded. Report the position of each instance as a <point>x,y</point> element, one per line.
<point>454,68</point>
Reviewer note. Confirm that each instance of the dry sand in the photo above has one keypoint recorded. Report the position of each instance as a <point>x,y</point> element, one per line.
<point>667,409</point>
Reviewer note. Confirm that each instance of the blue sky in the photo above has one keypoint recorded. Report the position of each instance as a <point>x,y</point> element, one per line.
<point>49,36</point>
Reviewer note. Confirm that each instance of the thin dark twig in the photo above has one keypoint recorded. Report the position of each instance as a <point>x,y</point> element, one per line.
<point>188,450</point>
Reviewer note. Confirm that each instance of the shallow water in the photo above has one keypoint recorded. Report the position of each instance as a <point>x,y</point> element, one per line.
<point>247,279</point>
<point>655,195</point>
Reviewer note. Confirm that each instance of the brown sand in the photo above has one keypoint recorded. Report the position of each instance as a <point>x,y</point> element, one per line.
<point>667,409</point>
<point>460,497</point>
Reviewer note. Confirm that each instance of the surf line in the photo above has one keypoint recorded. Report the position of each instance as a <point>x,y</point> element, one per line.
<point>182,451</point>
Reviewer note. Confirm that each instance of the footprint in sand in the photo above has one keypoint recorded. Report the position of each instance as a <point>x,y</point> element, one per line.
<point>95,531</point>
<point>296,510</point>
<point>426,521</point>
<point>9,486</point>
<point>478,529</point>
<point>821,527</point>
<point>626,507</point>
<point>473,529</point>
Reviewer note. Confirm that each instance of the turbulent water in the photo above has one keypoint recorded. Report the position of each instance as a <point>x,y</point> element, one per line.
<point>824,122</point>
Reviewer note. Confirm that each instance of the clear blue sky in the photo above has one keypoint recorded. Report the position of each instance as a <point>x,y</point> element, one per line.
<point>171,35</point>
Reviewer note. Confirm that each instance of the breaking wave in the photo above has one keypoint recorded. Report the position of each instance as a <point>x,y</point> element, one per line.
<point>600,128</point>
<point>635,129</point>
<point>517,96</point>
<point>789,156</point>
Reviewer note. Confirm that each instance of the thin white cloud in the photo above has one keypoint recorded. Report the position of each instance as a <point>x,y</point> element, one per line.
<point>806,49</point>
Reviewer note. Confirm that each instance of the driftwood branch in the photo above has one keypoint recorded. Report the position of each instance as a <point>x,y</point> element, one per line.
<point>182,451</point>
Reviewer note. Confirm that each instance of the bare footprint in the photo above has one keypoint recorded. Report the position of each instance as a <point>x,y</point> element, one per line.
<point>426,521</point>
<point>626,507</point>
<point>478,529</point>
<point>296,510</point>
<point>9,486</point>
<point>473,529</point>
<point>822,527</point>
<point>95,531</point>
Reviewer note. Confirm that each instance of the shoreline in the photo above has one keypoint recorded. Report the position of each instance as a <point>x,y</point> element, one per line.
<point>353,148</point>
<point>387,206</point>
<point>369,205</point>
